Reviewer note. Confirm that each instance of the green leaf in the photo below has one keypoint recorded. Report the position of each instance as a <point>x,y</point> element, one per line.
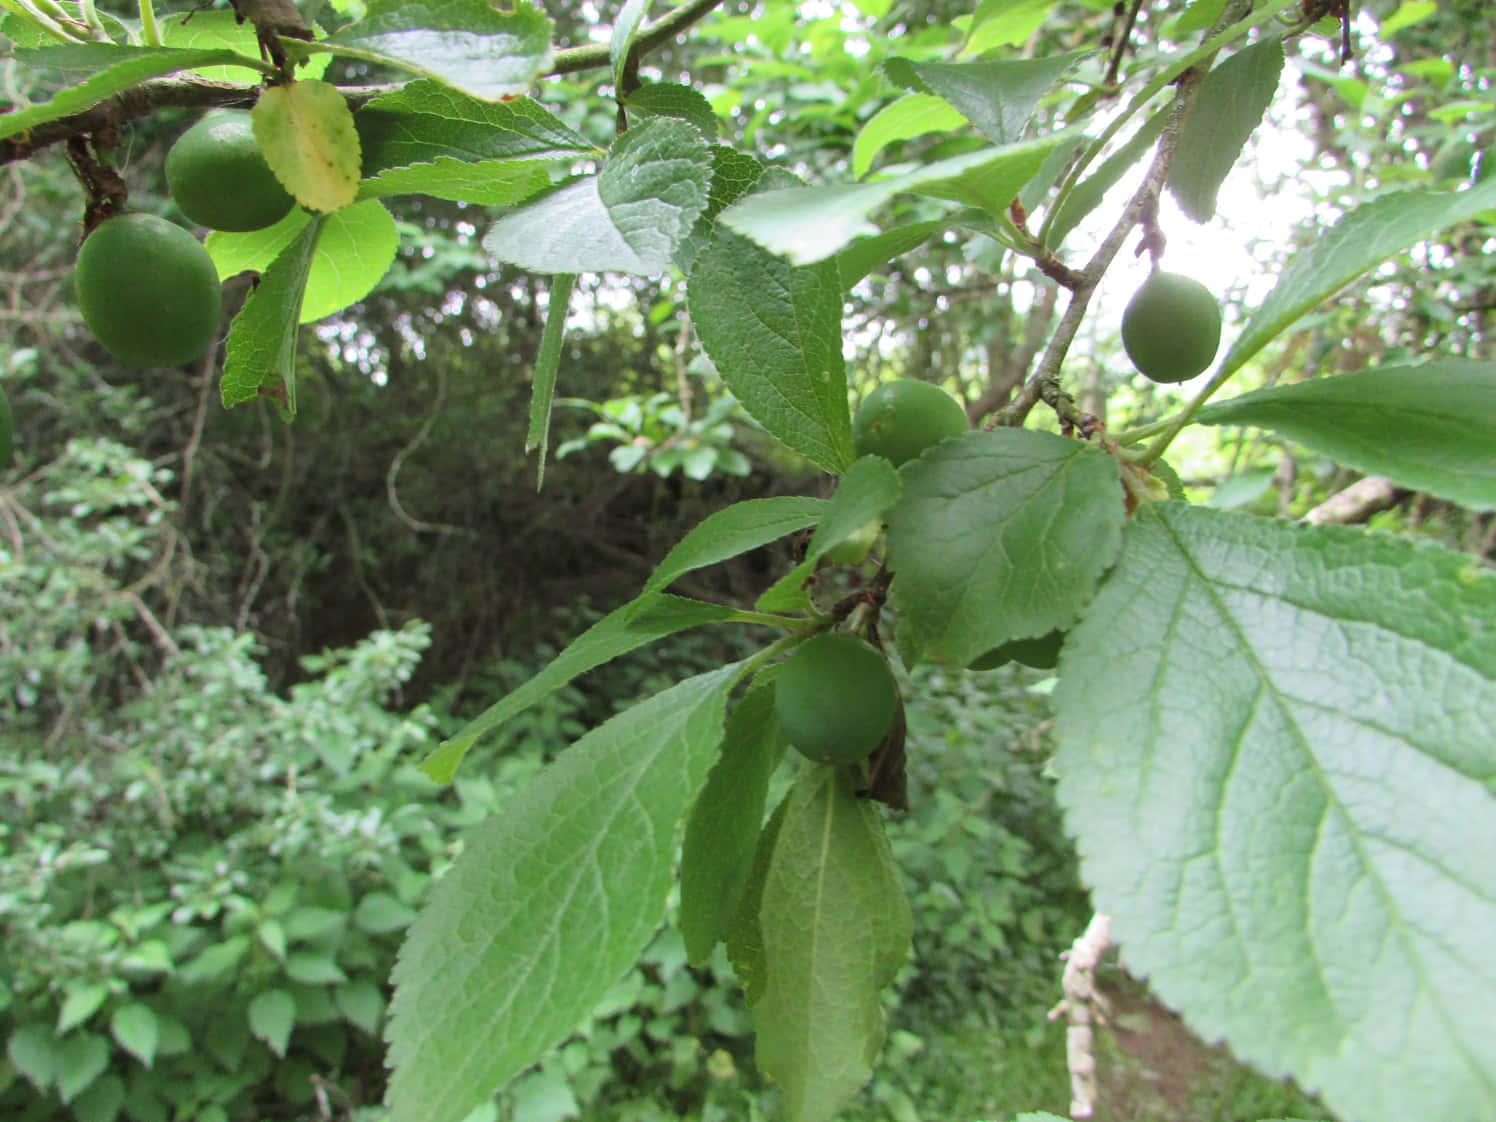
<point>136,1030</point>
<point>548,904</point>
<point>868,490</point>
<point>790,593</point>
<point>628,218</point>
<point>866,254</point>
<point>998,23</point>
<point>1241,488</point>
<point>1430,428</point>
<point>430,139</point>
<point>1088,193</point>
<point>33,1050</point>
<point>312,968</point>
<point>734,173</point>
<point>379,913</point>
<point>995,92</point>
<point>744,936</point>
<point>355,248</point>
<point>1227,110</point>
<point>668,99</point>
<point>910,116</point>
<point>627,628</point>
<point>808,224</point>
<point>204,29</point>
<point>1365,237</point>
<point>272,1016</point>
<point>101,70</point>
<point>305,131</point>
<point>149,956</point>
<point>361,1004</point>
<point>492,183</point>
<point>468,44</point>
<point>81,1001</point>
<point>310,924</point>
<point>1276,756</point>
<point>1407,14</point>
<point>543,1095</point>
<point>723,830</point>
<point>1000,535</point>
<point>836,929</point>
<point>625,27</point>
<point>102,1101</point>
<point>216,962</point>
<point>81,1059</point>
<point>261,355</point>
<point>273,938</point>
<point>1200,15</point>
<point>773,330</point>
<point>734,530</point>
<point>547,365</point>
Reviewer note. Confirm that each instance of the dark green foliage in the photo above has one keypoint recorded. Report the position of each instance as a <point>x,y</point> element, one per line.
<point>7,426</point>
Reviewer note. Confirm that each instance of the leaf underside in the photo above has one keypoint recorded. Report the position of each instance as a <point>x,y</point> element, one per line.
<point>1276,755</point>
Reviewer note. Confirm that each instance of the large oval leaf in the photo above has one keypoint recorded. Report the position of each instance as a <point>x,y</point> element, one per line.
<point>1000,535</point>
<point>1276,753</point>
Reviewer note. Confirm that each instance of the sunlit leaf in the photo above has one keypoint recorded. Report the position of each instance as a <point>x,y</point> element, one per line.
<point>1362,239</point>
<point>629,218</point>
<point>355,248</point>
<point>306,133</point>
<point>470,44</point>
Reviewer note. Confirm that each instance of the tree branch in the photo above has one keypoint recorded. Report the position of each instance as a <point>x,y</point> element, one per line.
<point>593,55</point>
<point>192,93</point>
<point>1356,503</point>
<point>1044,383</point>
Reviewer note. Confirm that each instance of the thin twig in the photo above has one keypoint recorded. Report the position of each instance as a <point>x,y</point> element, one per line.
<point>1079,1006</point>
<point>1146,197</point>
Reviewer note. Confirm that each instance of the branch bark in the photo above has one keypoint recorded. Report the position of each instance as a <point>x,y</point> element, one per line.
<point>1357,503</point>
<point>1080,1005</point>
<point>189,93</point>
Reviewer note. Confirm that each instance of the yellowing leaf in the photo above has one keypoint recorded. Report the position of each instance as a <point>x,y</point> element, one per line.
<point>305,129</point>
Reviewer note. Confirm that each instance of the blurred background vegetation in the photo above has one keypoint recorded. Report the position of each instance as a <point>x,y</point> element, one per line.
<point>225,642</point>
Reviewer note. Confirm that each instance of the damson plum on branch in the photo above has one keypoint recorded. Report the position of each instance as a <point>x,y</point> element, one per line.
<point>148,291</point>
<point>1171,327</point>
<point>900,419</point>
<point>836,699</point>
<point>218,176</point>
